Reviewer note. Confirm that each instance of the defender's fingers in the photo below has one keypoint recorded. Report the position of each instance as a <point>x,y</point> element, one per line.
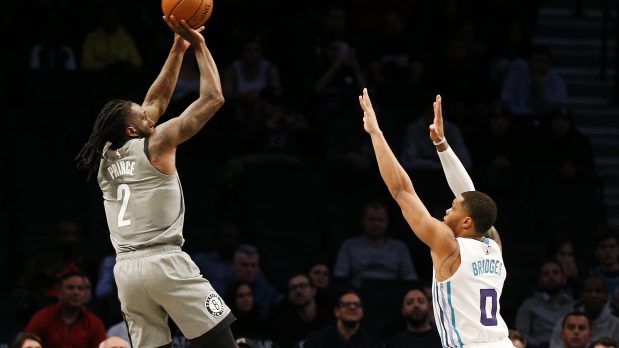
<point>366,96</point>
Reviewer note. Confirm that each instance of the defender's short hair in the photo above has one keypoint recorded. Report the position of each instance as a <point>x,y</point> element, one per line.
<point>481,208</point>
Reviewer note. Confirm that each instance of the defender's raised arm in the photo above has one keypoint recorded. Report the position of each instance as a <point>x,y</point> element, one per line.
<point>457,177</point>
<point>431,231</point>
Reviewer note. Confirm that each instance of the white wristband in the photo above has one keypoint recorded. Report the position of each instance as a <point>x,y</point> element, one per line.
<point>440,141</point>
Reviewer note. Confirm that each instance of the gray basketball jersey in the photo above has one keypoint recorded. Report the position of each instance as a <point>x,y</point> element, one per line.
<point>143,206</point>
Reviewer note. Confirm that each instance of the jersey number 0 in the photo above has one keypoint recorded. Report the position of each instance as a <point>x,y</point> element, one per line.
<point>488,316</point>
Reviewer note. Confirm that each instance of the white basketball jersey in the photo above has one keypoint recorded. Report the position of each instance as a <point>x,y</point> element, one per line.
<point>466,305</point>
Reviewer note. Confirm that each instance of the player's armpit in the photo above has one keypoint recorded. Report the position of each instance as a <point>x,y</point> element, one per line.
<point>446,265</point>
<point>153,111</point>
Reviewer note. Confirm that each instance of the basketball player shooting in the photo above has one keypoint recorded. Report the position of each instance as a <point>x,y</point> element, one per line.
<point>136,169</point>
<point>468,269</point>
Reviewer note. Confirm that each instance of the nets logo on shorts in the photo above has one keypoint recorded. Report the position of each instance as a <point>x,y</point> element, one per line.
<point>214,304</point>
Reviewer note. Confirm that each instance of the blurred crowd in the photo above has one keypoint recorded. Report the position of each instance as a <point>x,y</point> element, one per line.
<point>288,217</point>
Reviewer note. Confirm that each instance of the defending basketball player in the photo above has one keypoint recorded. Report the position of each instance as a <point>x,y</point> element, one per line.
<point>136,170</point>
<point>468,266</point>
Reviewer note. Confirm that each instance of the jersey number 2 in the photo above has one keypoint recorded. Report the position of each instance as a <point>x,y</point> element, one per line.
<point>123,193</point>
<point>488,317</point>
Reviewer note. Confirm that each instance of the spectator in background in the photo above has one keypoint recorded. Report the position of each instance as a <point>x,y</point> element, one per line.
<point>538,314</point>
<point>498,150</point>
<point>567,152</point>
<point>334,26</point>
<point>37,284</point>
<point>110,46</point>
<point>244,79</point>
<point>460,75</point>
<point>338,76</point>
<point>243,342</point>
<point>374,255</point>
<point>531,88</point>
<point>27,340</point>
<point>106,286</point>
<point>320,277</point>
<point>594,305</point>
<point>335,75</point>
<point>603,342</point>
<point>246,267</point>
<point>51,53</point>
<point>517,338</point>
<point>419,154</point>
<point>348,330</point>
<point>65,254</point>
<point>114,342</point>
<point>275,133</point>
<point>607,268</point>
<point>575,330</point>
<point>216,265</point>
<point>418,331</point>
<point>119,329</point>
<point>111,57</point>
<point>300,314</point>
<point>512,46</point>
<point>337,72</point>
<point>248,324</point>
<point>565,177</point>
<point>68,324</point>
<point>106,294</point>
<point>395,64</point>
<point>563,252</point>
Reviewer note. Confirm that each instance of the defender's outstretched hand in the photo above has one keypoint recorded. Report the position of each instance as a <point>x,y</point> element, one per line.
<point>184,31</point>
<point>370,124</point>
<point>437,132</point>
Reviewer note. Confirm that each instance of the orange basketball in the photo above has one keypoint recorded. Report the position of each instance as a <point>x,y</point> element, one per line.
<point>194,12</point>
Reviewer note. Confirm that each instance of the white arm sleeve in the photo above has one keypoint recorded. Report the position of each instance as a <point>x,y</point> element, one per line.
<point>458,179</point>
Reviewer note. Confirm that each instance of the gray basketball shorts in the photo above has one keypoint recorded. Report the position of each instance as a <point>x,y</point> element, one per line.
<point>160,281</point>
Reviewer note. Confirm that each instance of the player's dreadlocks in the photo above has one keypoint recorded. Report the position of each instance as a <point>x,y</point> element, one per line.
<point>109,126</point>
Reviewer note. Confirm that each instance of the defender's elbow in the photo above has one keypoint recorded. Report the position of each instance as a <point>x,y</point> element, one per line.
<point>216,102</point>
<point>219,101</point>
